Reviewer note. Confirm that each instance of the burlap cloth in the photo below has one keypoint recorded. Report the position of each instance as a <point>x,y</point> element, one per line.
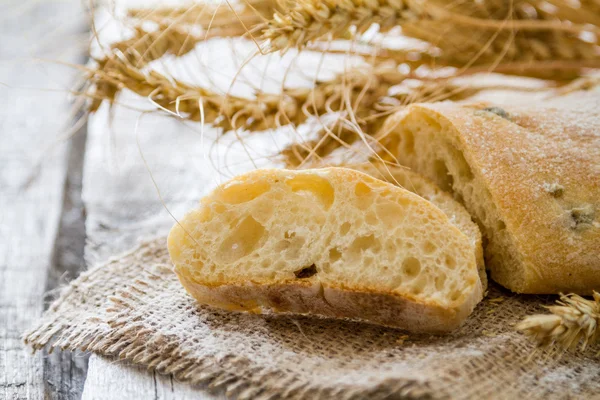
<point>134,308</point>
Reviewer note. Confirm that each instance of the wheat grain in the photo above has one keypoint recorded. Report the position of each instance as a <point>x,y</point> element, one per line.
<point>362,93</point>
<point>308,20</point>
<point>144,46</point>
<point>249,11</point>
<point>575,321</point>
<point>360,86</point>
<point>490,49</point>
<point>174,26</point>
<point>542,48</point>
<point>523,50</point>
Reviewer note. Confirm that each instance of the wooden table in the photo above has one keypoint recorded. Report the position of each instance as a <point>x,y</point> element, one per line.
<point>47,214</point>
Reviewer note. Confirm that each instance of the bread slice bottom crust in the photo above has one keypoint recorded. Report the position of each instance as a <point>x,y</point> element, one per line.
<point>313,298</point>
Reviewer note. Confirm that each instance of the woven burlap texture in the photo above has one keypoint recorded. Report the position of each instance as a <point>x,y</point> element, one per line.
<point>134,308</point>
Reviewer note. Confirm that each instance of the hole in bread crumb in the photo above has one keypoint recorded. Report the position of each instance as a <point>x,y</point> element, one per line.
<point>363,243</point>
<point>306,272</point>
<point>241,241</point>
<point>314,184</point>
<point>289,234</point>
<point>237,193</point>
<point>450,262</point>
<point>500,225</point>
<point>419,285</point>
<point>361,189</point>
<point>440,280</point>
<point>390,212</point>
<point>371,218</point>
<point>411,267</point>
<point>444,179</point>
<point>345,228</point>
<point>429,247</point>
<point>432,123</point>
<point>334,255</point>
<point>281,246</point>
<point>464,170</point>
<point>455,295</point>
<point>364,197</point>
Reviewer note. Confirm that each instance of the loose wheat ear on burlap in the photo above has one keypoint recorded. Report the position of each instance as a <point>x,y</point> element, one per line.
<point>134,308</point>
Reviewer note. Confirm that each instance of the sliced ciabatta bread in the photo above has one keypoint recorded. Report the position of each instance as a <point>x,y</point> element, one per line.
<point>417,183</point>
<point>528,173</point>
<point>334,242</point>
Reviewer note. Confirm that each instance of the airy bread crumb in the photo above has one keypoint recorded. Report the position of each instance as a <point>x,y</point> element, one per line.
<point>334,242</point>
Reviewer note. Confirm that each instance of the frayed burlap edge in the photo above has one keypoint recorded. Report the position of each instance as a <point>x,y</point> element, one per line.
<point>77,320</point>
<point>232,373</point>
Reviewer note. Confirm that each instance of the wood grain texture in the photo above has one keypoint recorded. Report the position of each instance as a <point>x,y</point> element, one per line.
<point>108,380</point>
<point>65,372</point>
<point>31,198</point>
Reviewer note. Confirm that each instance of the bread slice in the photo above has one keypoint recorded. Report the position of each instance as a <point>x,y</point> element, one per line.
<point>424,187</point>
<point>530,176</point>
<point>334,242</point>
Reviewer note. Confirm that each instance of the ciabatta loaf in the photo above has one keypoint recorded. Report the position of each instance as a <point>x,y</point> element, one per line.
<point>424,187</point>
<point>530,176</point>
<point>334,242</point>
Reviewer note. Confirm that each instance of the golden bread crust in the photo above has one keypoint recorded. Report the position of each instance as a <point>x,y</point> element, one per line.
<point>313,298</point>
<point>540,164</point>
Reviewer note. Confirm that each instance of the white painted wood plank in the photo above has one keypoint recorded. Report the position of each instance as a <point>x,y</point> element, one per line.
<point>110,380</point>
<point>114,380</point>
<point>122,206</point>
<point>30,121</point>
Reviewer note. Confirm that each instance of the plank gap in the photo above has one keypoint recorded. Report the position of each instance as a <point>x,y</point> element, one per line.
<point>64,371</point>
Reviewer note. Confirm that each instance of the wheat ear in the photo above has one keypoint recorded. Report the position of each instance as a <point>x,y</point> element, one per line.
<point>360,87</point>
<point>309,20</point>
<point>575,321</point>
<point>173,34</point>
<point>248,11</point>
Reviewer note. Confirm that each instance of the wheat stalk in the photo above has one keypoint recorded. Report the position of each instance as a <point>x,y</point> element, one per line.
<point>563,54</point>
<point>575,321</point>
<point>360,87</point>
<point>173,34</point>
<point>189,102</point>
<point>359,94</point>
<point>247,11</point>
<point>542,47</point>
<point>144,46</point>
<point>489,34</point>
<point>309,20</point>
<point>371,116</point>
